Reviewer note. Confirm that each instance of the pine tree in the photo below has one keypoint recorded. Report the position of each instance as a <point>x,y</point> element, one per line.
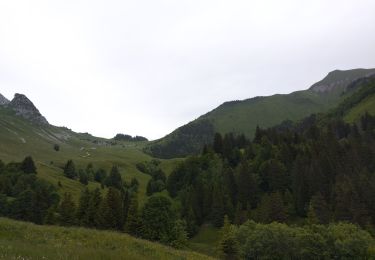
<point>83,177</point>
<point>111,211</point>
<point>311,215</point>
<point>28,165</point>
<point>93,208</point>
<point>83,206</point>
<point>218,143</point>
<point>247,188</point>
<point>277,211</point>
<point>218,206</point>
<point>228,247</point>
<point>133,222</point>
<point>23,207</point>
<point>178,237</point>
<point>114,179</point>
<point>70,170</point>
<point>319,207</point>
<point>67,211</point>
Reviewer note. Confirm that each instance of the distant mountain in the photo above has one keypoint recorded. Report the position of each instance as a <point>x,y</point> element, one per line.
<point>242,117</point>
<point>3,100</point>
<point>340,80</point>
<point>25,108</point>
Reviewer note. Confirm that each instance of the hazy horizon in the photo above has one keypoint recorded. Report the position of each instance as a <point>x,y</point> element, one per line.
<point>148,67</point>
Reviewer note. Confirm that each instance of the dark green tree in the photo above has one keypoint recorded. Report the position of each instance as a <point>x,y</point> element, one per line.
<point>114,179</point>
<point>82,209</point>
<point>158,218</point>
<point>178,237</point>
<point>319,207</point>
<point>70,170</point>
<point>133,220</point>
<point>228,247</point>
<point>28,165</point>
<point>218,143</point>
<point>111,211</point>
<point>67,211</point>
<point>83,177</point>
<point>93,208</point>
<point>24,206</point>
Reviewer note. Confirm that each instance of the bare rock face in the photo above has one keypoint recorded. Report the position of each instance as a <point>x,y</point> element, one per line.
<point>25,108</point>
<point>3,100</point>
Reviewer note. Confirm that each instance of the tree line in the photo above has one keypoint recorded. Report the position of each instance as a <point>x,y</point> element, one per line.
<point>320,170</point>
<point>115,206</point>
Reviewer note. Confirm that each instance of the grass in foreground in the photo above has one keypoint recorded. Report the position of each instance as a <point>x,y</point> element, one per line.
<point>21,240</point>
<point>206,241</point>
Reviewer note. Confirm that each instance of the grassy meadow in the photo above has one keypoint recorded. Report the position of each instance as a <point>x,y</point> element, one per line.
<point>19,139</point>
<point>21,240</point>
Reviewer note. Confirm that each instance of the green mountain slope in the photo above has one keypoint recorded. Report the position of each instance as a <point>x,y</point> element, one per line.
<point>242,117</point>
<point>20,240</point>
<point>19,138</point>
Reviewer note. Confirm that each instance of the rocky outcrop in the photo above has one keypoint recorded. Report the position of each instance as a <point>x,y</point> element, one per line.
<point>339,80</point>
<point>25,108</point>
<point>3,100</point>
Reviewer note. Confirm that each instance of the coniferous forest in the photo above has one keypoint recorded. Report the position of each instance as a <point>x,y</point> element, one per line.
<point>299,190</point>
<point>306,186</point>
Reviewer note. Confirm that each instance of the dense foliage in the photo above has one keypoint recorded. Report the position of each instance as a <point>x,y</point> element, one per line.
<point>23,196</point>
<point>158,179</point>
<point>280,241</point>
<point>187,139</point>
<point>313,171</point>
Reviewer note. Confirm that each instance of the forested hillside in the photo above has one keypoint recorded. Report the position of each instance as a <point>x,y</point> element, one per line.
<point>242,117</point>
<point>305,185</point>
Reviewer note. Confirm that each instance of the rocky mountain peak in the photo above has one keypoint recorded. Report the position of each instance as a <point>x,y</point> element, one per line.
<point>25,108</point>
<point>3,100</point>
<point>339,80</point>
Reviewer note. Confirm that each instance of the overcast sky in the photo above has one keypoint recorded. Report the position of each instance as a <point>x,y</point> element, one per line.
<point>146,67</point>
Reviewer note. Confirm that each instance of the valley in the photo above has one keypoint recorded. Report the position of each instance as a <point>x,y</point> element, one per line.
<point>283,165</point>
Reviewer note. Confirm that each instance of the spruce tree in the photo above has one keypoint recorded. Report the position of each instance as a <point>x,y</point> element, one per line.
<point>228,247</point>
<point>178,237</point>
<point>133,221</point>
<point>218,143</point>
<point>28,165</point>
<point>218,206</point>
<point>82,209</point>
<point>319,207</point>
<point>93,208</point>
<point>83,177</point>
<point>114,179</point>
<point>23,207</point>
<point>247,188</point>
<point>70,170</point>
<point>67,211</point>
<point>111,211</point>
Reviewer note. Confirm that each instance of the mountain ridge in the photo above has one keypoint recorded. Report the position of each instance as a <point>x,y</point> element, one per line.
<point>242,117</point>
<point>25,108</point>
<point>3,100</point>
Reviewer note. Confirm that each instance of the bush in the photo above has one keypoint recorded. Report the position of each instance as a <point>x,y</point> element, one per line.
<point>280,241</point>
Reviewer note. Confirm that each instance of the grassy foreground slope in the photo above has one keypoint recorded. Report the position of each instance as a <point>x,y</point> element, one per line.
<point>242,117</point>
<point>20,240</point>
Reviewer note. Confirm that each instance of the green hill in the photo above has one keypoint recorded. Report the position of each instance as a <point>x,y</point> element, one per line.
<point>21,240</point>
<point>242,117</point>
<point>20,137</point>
